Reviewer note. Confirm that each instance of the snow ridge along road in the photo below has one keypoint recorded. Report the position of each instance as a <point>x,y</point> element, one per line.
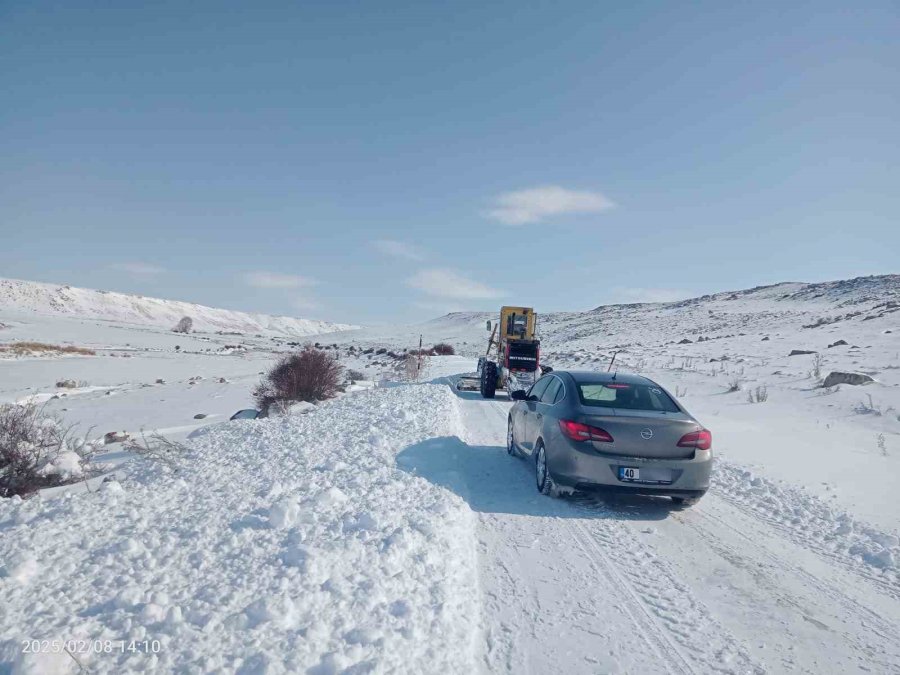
<point>287,545</point>
<point>634,585</point>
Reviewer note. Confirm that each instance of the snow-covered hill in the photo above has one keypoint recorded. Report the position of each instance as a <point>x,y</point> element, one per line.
<point>30,297</point>
<point>854,308</point>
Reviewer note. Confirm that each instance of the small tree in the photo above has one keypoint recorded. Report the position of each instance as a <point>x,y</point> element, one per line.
<point>310,375</point>
<point>185,325</point>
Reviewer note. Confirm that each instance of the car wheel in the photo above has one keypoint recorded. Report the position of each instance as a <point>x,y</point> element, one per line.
<point>510,440</point>
<point>545,484</point>
<point>685,501</point>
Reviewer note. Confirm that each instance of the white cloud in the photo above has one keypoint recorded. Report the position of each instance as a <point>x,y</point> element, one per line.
<point>623,294</point>
<point>399,249</point>
<point>446,283</point>
<point>275,280</point>
<point>536,204</point>
<point>138,269</point>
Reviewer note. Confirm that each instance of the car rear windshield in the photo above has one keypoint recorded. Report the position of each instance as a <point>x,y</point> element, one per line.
<point>627,396</point>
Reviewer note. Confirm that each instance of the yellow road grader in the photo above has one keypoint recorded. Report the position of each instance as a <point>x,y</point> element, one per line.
<point>512,359</point>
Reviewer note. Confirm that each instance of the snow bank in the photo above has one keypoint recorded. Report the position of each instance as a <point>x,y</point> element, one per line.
<point>280,546</point>
<point>813,522</point>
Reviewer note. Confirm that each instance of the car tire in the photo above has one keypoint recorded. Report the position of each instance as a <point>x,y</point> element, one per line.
<point>685,502</point>
<point>488,379</point>
<point>543,479</point>
<point>511,441</point>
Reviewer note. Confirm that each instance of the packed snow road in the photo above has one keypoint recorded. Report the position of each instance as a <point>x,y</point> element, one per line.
<point>635,585</point>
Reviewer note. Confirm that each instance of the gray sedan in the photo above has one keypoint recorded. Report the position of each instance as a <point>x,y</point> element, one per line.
<point>609,431</point>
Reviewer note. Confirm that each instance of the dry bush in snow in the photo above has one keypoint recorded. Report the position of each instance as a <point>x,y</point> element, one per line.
<point>310,375</point>
<point>758,395</point>
<point>157,448</point>
<point>868,407</point>
<point>36,450</point>
<point>185,325</point>
<point>443,349</point>
<point>818,362</point>
<point>413,366</point>
<point>32,348</point>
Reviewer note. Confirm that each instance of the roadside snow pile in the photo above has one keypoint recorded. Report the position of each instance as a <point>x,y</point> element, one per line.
<point>279,546</point>
<point>819,526</point>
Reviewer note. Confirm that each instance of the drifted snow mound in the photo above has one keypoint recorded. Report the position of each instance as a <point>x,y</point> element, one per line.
<point>48,299</point>
<point>814,523</point>
<point>292,544</point>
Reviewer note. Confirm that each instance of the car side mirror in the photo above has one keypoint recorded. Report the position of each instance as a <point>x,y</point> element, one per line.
<point>489,325</point>
<point>518,395</point>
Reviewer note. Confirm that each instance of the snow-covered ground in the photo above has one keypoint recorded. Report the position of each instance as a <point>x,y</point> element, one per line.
<point>389,531</point>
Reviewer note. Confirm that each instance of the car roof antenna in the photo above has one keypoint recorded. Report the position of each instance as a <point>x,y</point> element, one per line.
<point>612,361</point>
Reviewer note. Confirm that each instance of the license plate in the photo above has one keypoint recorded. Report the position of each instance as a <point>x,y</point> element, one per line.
<point>629,473</point>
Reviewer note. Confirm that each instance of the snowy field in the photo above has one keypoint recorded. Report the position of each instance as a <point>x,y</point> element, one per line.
<point>388,530</point>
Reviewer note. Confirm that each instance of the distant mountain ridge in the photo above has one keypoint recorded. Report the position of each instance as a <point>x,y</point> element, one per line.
<point>32,297</point>
<point>859,306</point>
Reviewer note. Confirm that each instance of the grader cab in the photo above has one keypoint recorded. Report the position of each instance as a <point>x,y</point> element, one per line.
<point>512,358</point>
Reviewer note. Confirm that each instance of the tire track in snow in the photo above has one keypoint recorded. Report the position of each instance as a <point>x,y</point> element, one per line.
<point>667,621</point>
<point>851,621</point>
<point>651,632</point>
<point>679,619</point>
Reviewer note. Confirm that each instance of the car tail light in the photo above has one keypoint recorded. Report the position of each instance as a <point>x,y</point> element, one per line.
<point>582,432</point>
<point>610,385</point>
<point>702,440</point>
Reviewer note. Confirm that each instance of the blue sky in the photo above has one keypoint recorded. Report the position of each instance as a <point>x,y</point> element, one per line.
<point>390,161</point>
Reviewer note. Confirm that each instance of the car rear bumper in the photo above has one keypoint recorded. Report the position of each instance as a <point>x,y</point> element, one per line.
<point>590,471</point>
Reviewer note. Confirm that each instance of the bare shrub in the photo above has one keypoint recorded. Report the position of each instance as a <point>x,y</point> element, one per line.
<point>413,365</point>
<point>425,351</point>
<point>443,349</point>
<point>31,444</point>
<point>758,395</point>
<point>734,385</point>
<point>868,408</point>
<point>28,348</point>
<point>157,448</point>
<point>184,325</point>
<point>355,375</point>
<point>310,375</point>
<point>882,445</point>
<point>818,362</point>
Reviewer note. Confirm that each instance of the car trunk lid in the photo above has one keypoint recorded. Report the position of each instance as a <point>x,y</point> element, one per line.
<point>642,433</point>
